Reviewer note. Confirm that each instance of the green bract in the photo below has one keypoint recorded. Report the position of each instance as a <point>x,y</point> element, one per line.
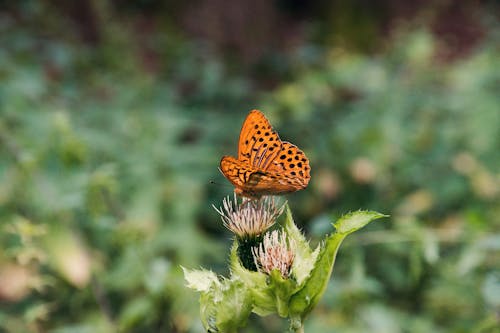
<point>225,304</point>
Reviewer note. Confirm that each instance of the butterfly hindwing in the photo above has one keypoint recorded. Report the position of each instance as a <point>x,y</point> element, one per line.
<point>253,182</point>
<point>236,171</point>
<point>292,165</point>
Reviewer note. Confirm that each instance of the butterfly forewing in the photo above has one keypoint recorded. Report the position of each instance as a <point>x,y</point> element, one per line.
<point>259,143</point>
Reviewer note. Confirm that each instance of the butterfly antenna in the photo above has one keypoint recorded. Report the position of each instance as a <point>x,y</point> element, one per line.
<point>212,182</point>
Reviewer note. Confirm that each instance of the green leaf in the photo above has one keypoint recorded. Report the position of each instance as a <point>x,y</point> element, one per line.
<point>306,298</point>
<point>304,256</point>
<point>356,220</point>
<point>200,280</point>
<point>225,304</point>
<point>226,307</point>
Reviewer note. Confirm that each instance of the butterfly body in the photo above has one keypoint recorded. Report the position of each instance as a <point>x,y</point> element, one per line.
<point>265,164</point>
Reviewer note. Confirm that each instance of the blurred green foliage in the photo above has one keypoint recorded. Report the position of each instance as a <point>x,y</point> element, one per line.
<point>105,170</point>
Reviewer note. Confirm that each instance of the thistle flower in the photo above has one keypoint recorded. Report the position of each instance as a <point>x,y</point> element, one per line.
<point>275,252</point>
<point>250,218</point>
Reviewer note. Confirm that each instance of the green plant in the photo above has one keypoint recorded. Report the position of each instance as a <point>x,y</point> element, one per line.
<point>283,275</point>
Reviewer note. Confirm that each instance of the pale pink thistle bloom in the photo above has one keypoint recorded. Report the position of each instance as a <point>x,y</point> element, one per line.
<point>251,217</point>
<point>275,252</point>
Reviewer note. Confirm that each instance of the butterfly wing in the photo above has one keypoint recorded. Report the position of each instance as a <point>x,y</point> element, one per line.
<point>291,167</point>
<point>236,171</point>
<point>265,164</point>
<point>259,144</point>
<point>252,182</point>
<point>242,175</point>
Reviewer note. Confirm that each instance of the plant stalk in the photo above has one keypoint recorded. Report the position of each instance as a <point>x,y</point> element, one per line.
<point>299,329</point>
<point>296,325</point>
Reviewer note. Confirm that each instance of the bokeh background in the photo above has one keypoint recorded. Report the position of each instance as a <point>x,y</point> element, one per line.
<point>115,114</point>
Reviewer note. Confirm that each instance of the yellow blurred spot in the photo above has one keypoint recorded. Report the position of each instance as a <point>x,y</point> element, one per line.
<point>451,228</point>
<point>14,282</point>
<point>485,185</point>
<point>464,163</point>
<point>363,170</point>
<point>70,257</point>
<point>417,202</point>
<point>328,183</point>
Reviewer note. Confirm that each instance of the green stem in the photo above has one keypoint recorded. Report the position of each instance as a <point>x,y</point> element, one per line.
<point>299,329</point>
<point>296,325</point>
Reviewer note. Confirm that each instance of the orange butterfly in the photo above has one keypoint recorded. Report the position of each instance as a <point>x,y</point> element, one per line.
<point>265,164</point>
